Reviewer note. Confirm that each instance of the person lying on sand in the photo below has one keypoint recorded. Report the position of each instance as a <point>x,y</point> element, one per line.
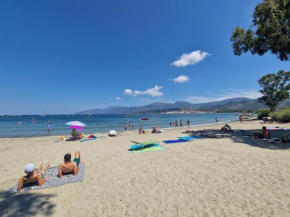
<point>264,135</point>
<point>33,175</point>
<point>69,167</point>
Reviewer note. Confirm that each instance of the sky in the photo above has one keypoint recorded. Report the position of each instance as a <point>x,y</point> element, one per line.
<point>66,56</point>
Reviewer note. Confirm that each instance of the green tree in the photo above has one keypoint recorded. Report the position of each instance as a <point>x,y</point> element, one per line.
<point>275,89</point>
<point>271,20</point>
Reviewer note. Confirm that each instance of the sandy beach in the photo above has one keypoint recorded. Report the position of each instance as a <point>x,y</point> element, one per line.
<point>212,177</point>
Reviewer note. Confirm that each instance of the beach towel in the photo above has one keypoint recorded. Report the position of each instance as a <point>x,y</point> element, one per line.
<point>175,141</point>
<point>190,137</point>
<point>53,180</point>
<point>84,140</point>
<point>137,148</point>
<point>275,128</point>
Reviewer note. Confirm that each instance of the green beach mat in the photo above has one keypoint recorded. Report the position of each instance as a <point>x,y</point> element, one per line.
<point>139,148</point>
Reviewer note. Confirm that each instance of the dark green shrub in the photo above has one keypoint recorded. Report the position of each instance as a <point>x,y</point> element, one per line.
<point>263,113</point>
<point>283,115</point>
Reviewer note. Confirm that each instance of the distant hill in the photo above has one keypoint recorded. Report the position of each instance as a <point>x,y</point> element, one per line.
<point>224,105</point>
<point>228,105</point>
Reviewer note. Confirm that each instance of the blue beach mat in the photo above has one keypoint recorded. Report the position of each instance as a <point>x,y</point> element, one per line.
<point>140,148</point>
<point>190,137</point>
<point>175,141</point>
<point>84,140</point>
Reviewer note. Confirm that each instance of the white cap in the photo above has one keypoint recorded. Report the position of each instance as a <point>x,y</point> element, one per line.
<point>29,168</point>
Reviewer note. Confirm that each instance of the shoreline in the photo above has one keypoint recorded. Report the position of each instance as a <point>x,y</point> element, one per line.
<point>119,132</point>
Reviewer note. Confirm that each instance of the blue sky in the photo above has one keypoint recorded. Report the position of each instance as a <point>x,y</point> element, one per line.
<point>68,56</point>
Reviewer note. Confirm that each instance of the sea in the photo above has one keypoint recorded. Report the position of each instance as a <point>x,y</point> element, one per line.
<point>24,126</point>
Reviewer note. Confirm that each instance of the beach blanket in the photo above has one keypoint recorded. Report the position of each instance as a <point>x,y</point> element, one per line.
<point>53,180</point>
<point>275,128</point>
<point>84,140</point>
<point>175,141</point>
<point>190,137</point>
<point>140,148</point>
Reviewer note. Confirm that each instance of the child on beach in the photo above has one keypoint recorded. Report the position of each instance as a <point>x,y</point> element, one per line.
<point>188,122</point>
<point>181,124</point>
<point>125,127</point>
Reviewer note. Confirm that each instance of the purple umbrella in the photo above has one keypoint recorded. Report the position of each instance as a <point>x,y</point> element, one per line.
<point>76,127</point>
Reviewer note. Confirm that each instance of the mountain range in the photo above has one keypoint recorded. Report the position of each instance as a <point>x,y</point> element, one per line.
<point>228,105</point>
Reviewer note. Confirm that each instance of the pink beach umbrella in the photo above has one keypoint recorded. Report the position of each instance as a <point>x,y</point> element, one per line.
<point>76,127</point>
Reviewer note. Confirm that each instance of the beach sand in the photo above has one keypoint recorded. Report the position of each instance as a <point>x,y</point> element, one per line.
<point>211,177</point>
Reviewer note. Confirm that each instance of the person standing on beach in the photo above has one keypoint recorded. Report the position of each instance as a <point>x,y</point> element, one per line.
<point>188,122</point>
<point>176,124</point>
<point>181,124</point>
<point>130,126</point>
<point>241,118</point>
<point>48,126</point>
<point>125,127</point>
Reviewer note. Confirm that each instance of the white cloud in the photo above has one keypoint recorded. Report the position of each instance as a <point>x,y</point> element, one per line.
<point>118,98</point>
<point>181,79</point>
<point>190,58</point>
<point>128,92</point>
<point>155,91</point>
<point>252,94</point>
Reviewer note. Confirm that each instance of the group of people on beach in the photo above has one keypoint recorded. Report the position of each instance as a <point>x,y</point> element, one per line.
<point>175,124</point>
<point>130,126</point>
<point>37,175</point>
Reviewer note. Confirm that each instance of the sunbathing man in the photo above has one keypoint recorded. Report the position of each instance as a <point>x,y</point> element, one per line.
<point>264,135</point>
<point>33,175</point>
<point>69,167</point>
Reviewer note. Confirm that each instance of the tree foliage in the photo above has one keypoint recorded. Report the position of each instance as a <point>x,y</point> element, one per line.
<point>275,89</point>
<point>271,20</point>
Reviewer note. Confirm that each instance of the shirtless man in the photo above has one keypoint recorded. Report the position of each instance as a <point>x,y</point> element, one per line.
<point>33,175</point>
<point>68,166</point>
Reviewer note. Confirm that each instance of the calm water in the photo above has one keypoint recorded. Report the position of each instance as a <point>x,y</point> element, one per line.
<point>9,126</point>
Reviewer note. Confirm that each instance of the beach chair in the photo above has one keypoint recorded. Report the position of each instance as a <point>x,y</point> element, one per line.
<point>145,144</point>
<point>112,133</point>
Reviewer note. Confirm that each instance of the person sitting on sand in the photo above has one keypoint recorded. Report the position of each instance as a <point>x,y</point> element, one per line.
<point>69,167</point>
<point>226,128</point>
<point>74,133</point>
<point>264,135</point>
<point>141,131</point>
<point>33,175</point>
<point>154,130</point>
